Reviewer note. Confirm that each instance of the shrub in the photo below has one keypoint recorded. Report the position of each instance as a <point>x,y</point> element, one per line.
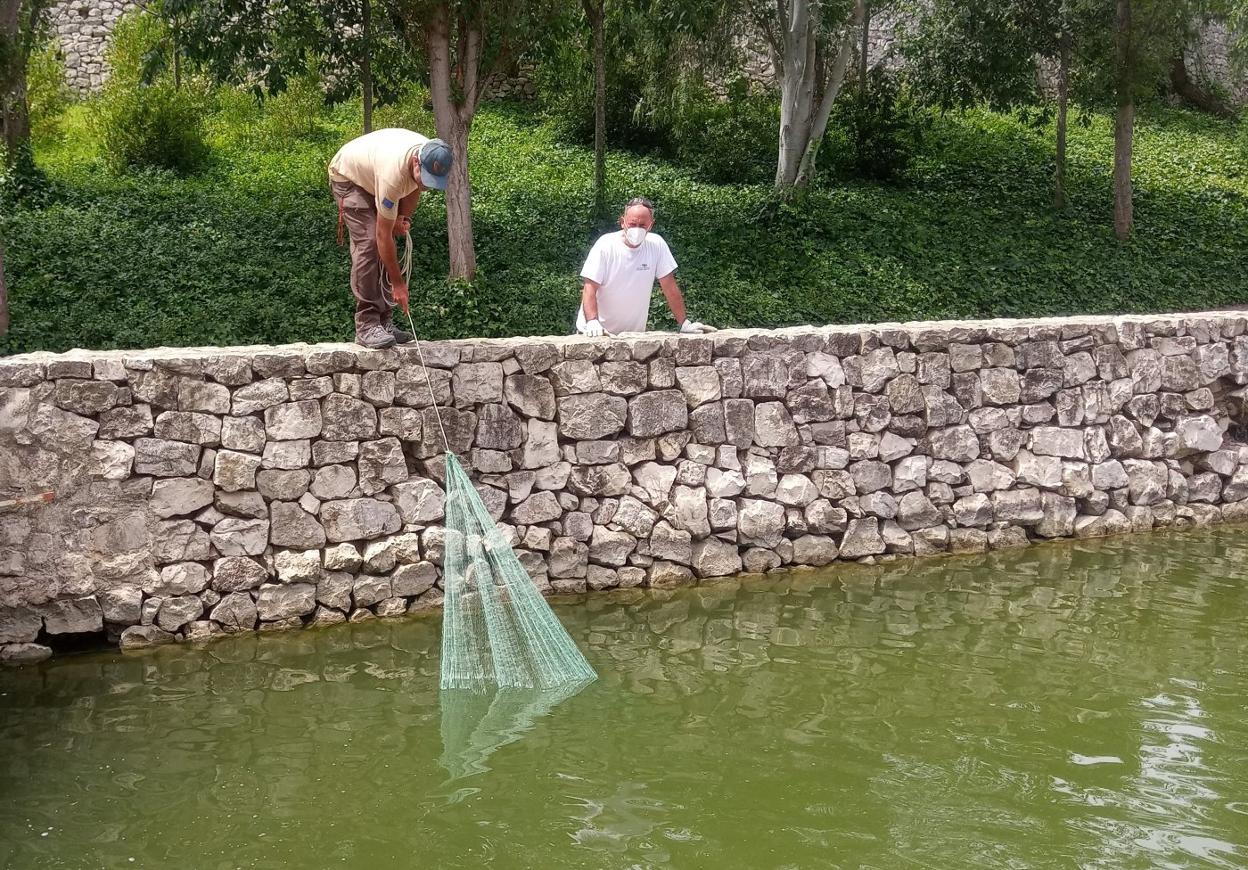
<point>731,140</point>
<point>880,130</point>
<point>143,121</point>
<point>295,112</point>
<point>21,181</point>
<point>410,109</point>
<point>234,118</point>
<point>46,93</point>
<point>565,90</point>
<point>154,126</point>
<point>137,48</point>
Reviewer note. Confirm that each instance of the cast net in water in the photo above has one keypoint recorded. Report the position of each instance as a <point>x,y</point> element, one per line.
<point>497,629</point>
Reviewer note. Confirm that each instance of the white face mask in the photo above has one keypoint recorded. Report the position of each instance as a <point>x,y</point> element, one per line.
<point>635,236</point>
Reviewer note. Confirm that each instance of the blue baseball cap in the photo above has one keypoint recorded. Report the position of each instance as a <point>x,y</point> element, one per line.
<point>435,164</point>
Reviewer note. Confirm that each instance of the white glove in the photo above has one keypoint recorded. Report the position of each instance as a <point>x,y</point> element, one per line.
<point>692,326</point>
<point>593,329</point>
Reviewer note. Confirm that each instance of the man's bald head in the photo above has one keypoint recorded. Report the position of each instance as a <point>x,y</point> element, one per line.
<point>639,212</point>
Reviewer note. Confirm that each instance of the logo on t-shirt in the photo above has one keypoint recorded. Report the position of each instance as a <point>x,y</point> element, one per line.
<point>644,267</point>
<point>385,203</point>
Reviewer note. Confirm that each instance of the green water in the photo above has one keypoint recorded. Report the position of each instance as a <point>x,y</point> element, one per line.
<point>1069,705</point>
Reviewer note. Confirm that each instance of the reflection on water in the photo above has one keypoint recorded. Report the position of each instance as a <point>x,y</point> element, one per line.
<point>1067,705</point>
<point>477,724</point>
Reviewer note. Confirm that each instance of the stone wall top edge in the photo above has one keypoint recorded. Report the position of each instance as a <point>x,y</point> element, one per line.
<point>409,353</point>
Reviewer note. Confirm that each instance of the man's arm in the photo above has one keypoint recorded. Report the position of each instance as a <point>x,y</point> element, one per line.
<point>589,300</point>
<point>407,205</point>
<point>390,260</point>
<point>671,293</point>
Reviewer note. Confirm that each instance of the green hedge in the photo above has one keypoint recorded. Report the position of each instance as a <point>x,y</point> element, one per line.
<point>244,252</point>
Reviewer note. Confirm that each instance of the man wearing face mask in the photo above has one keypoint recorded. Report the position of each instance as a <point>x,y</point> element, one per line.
<point>619,275</point>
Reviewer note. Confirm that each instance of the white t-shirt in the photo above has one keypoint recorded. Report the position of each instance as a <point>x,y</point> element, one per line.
<point>625,277</point>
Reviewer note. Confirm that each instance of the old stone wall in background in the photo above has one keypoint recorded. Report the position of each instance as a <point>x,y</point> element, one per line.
<point>82,28</point>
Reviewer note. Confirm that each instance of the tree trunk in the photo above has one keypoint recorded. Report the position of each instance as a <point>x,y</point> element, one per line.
<point>1124,123</point>
<point>1193,92</point>
<point>177,57</point>
<point>1063,99</point>
<point>819,124</point>
<point>1123,132</point>
<point>454,123</point>
<point>366,71</point>
<point>14,116</point>
<point>4,294</point>
<point>459,205</point>
<point>595,11</point>
<point>796,91</point>
<point>862,51</point>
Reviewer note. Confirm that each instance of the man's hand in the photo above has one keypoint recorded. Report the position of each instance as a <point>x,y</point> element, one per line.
<point>402,226</point>
<point>593,329</point>
<point>693,327</point>
<point>399,291</point>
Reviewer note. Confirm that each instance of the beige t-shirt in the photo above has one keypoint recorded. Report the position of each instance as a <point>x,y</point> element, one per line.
<point>380,162</point>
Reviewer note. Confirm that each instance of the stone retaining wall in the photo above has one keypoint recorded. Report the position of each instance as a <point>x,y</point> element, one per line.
<point>223,490</point>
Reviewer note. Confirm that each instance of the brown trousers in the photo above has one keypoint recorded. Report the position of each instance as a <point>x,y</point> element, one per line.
<point>369,284</point>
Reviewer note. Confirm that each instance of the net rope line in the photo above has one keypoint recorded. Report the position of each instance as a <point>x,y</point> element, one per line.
<point>406,268</point>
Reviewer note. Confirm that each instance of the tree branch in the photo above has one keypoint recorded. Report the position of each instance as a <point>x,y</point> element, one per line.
<point>832,87</point>
<point>470,64</point>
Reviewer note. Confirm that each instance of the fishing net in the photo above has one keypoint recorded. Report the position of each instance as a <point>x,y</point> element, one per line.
<point>475,725</point>
<point>497,629</point>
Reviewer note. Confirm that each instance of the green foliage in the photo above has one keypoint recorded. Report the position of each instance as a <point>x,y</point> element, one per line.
<point>731,140</point>
<point>881,127</point>
<point>409,108</point>
<point>296,111</point>
<point>136,49</point>
<point>1159,29</point>
<point>141,119</point>
<point>243,252</point>
<point>960,54</point>
<point>154,126</point>
<point>720,140</point>
<point>22,183</point>
<point>46,93</point>
<point>565,87</point>
<point>659,56</point>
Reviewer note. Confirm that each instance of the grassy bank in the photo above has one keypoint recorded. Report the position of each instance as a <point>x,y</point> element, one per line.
<point>244,252</point>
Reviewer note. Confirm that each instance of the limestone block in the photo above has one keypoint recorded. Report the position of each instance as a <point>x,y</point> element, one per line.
<point>955,443</point>
<point>276,601</point>
<point>760,523</point>
<point>73,615</point>
<point>240,537</point>
<point>862,538</point>
<point>478,383</point>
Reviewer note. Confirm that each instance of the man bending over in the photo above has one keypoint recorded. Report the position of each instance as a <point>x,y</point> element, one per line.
<point>619,275</point>
<point>377,180</point>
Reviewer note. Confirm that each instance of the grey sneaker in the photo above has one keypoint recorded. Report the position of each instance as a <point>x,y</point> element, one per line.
<point>375,337</point>
<point>401,336</point>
